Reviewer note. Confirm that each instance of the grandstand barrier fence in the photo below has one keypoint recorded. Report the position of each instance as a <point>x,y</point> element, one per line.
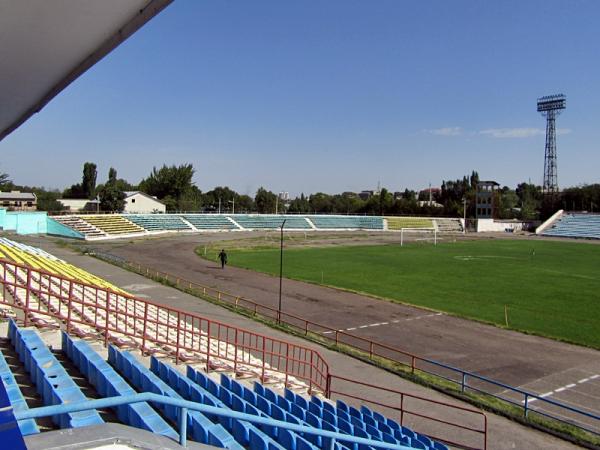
<point>528,403</point>
<point>472,428</point>
<point>47,299</point>
<point>184,406</point>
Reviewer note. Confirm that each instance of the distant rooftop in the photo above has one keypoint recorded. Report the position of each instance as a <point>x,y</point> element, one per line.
<point>17,195</point>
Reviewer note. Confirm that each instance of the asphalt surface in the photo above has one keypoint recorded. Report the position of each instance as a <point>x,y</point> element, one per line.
<point>539,365</point>
<point>502,433</point>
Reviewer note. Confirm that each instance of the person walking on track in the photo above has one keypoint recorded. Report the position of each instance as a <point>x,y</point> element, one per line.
<point>223,258</point>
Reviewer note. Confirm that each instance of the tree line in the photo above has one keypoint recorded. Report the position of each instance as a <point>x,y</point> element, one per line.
<point>174,186</point>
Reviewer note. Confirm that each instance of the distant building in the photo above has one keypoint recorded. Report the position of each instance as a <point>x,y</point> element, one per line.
<point>137,202</point>
<point>430,193</point>
<point>485,201</point>
<point>18,201</point>
<point>76,205</point>
<point>433,204</point>
<point>366,195</point>
<point>349,194</point>
<point>285,196</point>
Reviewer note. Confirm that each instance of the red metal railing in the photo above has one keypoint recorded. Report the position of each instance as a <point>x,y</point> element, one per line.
<point>368,346</point>
<point>47,299</point>
<point>51,300</point>
<point>455,425</point>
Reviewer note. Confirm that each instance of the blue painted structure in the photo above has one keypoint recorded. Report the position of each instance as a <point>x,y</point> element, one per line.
<point>10,434</point>
<point>183,406</point>
<point>109,383</point>
<point>15,397</point>
<point>586,226</point>
<point>58,229</point>
<point>24,222</point>
<point>52,382</point>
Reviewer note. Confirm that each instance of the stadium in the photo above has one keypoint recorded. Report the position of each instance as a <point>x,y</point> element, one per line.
<point>324,331</point>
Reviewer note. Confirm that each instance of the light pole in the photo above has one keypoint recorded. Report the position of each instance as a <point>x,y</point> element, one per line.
<point>280,272</point>
<point>233,205</point>
<point>464,215</point>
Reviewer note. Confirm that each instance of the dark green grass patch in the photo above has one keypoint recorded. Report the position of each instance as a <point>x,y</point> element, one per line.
<point>547,288</point>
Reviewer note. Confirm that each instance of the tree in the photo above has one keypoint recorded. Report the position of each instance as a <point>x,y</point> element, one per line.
<point>192,200</point>
<point>111,197</point>
<point>112,176</point>
<point>265,201</point>
<point>88,182</point>
<point>385,201</point>
<point>244,203</point>
<point>48,200</point>
<point>87,187</point>
<point>320,203</point>
<point>222,195</point>
<point>582,198</point>
<point>173,182</point>
<point>299,205</point>
<point>4,180</point>
<point>506,201</point>
<point>530,200</point>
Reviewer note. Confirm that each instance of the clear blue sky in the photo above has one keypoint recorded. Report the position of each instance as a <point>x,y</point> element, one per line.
<point>329,96</point>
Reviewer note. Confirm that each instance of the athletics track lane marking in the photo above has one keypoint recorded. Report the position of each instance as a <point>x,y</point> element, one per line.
<point>378,324</point>
<point>563,388</point>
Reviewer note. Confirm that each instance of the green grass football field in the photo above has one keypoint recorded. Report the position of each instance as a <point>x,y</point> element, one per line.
<point>546,287</point>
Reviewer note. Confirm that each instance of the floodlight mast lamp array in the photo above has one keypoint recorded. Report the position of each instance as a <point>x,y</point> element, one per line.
<point>550,107</point>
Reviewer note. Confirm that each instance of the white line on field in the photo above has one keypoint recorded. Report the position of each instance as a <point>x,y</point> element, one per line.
<point>378,324</point>
<point>563,388</point>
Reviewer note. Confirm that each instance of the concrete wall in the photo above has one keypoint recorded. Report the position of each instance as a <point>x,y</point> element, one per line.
<point>26,222</point>
<point>142,204</point>
<point>58,229</point>
<point>491,225</point>
<point>10,221</point>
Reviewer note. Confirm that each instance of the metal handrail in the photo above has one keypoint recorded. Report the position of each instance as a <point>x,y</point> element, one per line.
<point>372,345</point>
<point>310,365</point>
<point>400,407</point>
<point>298,361</point>
<point>184,406</point>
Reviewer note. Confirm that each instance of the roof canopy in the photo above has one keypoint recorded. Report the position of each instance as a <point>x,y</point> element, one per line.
<point>47,44</point>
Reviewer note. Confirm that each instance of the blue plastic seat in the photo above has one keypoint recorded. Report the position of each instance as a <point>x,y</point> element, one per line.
<point>357,423</point>
<point>250,396</point>
<point>200,428</point>
<point>424,439</point>
<point>315,409</point>
<point>384,428</point>
<point>284,404</point>
<point>330,418</point>
<point>329,407</point>
<point>341,406</point>
<point>244,433</point>
<point>299,412</point>
<point>16,399</point>
<point>373,432</point>
<point>108,383</point>
<point>52,381</point>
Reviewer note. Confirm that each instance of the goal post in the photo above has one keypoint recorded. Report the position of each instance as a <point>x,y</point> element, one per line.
<point>418,234</point>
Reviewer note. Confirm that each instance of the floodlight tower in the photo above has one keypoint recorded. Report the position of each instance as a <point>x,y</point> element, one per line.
<point>550,107</point>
